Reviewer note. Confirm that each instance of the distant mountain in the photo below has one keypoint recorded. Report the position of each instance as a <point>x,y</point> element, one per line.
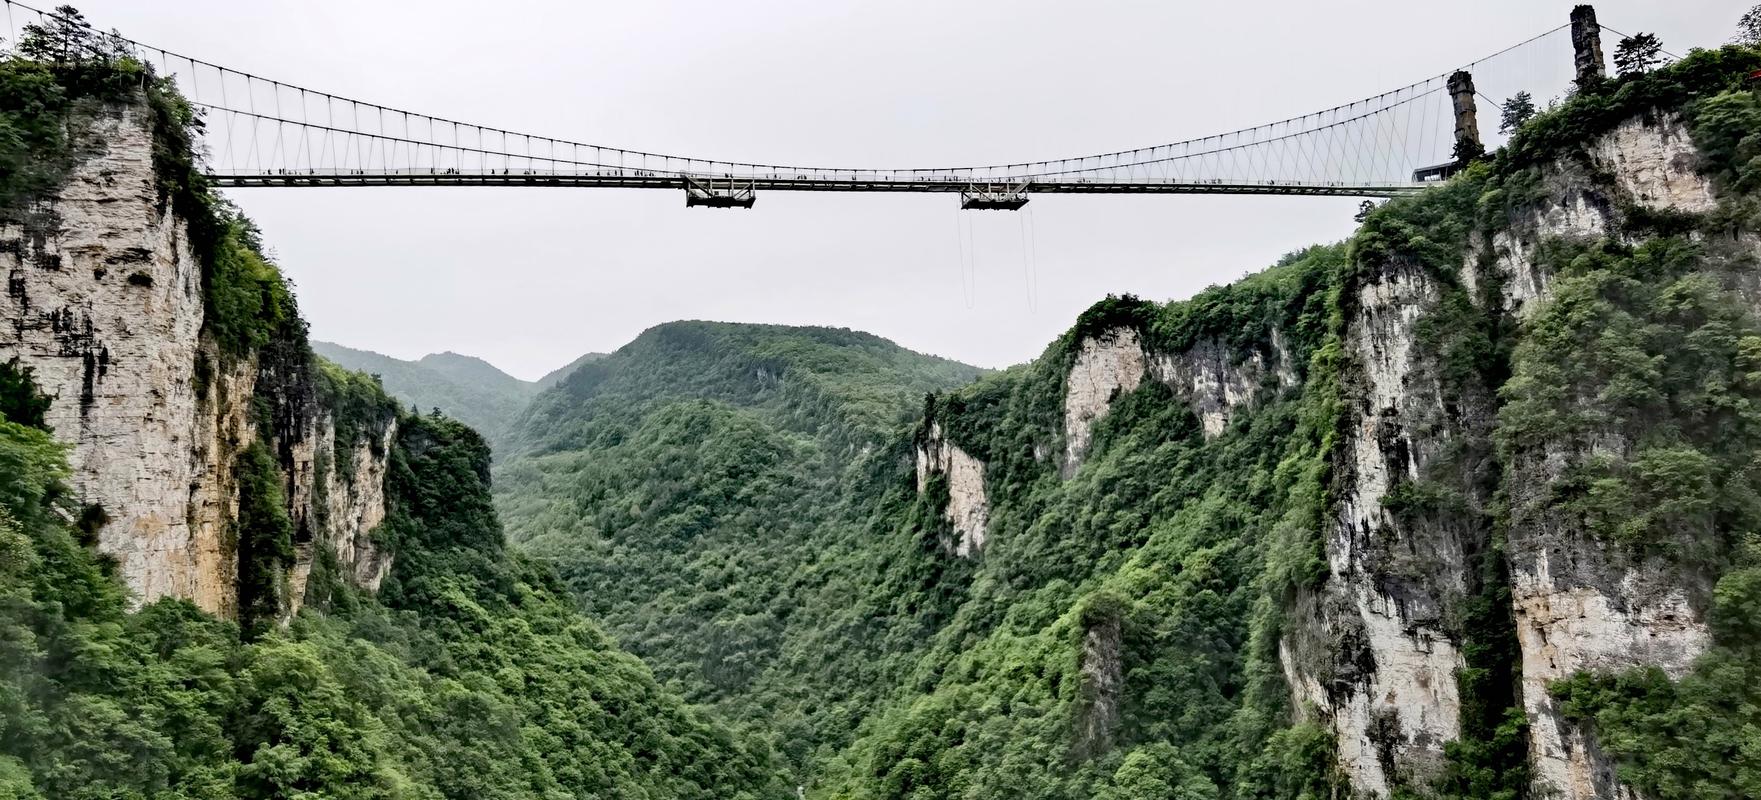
<point>468,389</point>
<point>822,381</point>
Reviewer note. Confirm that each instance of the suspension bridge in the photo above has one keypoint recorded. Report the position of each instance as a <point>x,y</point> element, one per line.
<point>261,132</point>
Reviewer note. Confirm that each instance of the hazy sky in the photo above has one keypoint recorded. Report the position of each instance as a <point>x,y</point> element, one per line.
<point>530,278</point>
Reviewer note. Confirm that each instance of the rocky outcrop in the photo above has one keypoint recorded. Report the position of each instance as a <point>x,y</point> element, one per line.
<point>1214,380</point>
<point>1105,366</point>
<point>341,498</point>
<point>105,304</point>
<point>968,509</point>
<point>1399,575</point>
<point>354,505</point>
<point>1654,165</point>
<point>1217,382</point>
<point>1103,681</point>
<point>1644,163</point>
<point>1387,674</point>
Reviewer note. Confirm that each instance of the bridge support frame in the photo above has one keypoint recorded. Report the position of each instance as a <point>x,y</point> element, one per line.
<point>993,197</point>
<point>728,194</point>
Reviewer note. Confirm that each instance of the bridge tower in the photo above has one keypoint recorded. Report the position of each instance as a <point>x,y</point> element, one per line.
<point>1586,43</point>
<point>1467,122</point>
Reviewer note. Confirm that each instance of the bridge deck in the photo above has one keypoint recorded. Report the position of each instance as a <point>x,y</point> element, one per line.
<point>798,183</point>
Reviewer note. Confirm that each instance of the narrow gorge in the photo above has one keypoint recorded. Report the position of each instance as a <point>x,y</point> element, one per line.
<point>1465,506</point>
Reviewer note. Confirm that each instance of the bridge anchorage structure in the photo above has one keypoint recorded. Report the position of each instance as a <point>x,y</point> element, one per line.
<point>260,132</point>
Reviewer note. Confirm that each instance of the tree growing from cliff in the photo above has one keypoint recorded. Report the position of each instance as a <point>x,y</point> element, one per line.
<point>1516,111</point>
<point>65,38</point>
<point>1749,28</point>
<point>1637,54</point>
<point>62,37</point>
<point>20,401</point>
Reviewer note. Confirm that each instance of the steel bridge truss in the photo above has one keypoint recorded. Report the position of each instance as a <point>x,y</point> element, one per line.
<point>739,192</point>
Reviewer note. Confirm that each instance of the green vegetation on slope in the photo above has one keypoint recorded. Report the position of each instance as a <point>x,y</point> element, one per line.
<point>1183,545</point>
<point>740,504</point>
<point>715,509</point>
<point>688,487</point>
<point>1658,346</point>
<point>557,375</point>
<point>470,676</point>
<point>1118,636</point>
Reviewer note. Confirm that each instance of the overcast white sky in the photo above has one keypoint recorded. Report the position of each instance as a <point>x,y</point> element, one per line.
<point>530,278</point>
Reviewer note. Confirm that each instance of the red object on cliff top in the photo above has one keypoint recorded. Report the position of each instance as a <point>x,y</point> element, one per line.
<point>1755,76</point>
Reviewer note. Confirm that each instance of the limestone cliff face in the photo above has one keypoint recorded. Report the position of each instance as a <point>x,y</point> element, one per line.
<point>1382,666</point>
<point>1214,382</point>
<point>1105,366</point>
<point>340,502</point>
<point>969,509</point>
<point>105,304</point>
<point>1580,606</point>
<point>353,505</point>
<point>1390,690</point>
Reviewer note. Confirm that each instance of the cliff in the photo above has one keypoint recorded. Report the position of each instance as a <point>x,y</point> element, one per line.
<point>111,303</point>
<point>1493,503</point>
<point>231,569</point>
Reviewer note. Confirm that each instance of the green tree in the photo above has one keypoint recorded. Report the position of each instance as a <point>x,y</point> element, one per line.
<point>1516,111</point>
<point>20,401</point>
<point>63,37</point>
<point>1636,54</point>
<point>1749,28</point>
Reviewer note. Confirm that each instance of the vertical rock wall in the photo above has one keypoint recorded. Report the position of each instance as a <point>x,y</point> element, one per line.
<point>1398,581</point>
<point>1389,688</point>
<point>104,303</point>
<point>969,509</point>
<point>1579,604</point>
<point>1105,366</point>
<point>355,505</point>
<point>339,501</point>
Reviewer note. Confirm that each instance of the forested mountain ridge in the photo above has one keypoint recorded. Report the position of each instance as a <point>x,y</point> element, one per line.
<point>814,379</point>
<point>230,569</point>
<point>699,453</point>
<point>1461,507</point>
<point>554,376</point>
